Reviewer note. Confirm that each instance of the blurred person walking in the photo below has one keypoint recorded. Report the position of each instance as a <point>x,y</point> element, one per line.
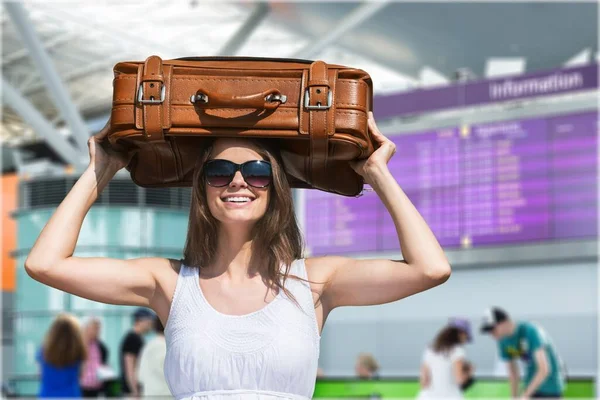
<point>366,366</point>
<point>151,372</point>
<point>445,371</point>
<point>61,357</point>
<point>528,341</point>
<point>130,349</point>
<point>97,356</point>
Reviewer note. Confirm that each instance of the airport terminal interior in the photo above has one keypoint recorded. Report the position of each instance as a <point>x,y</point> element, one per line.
<point>492,107</point>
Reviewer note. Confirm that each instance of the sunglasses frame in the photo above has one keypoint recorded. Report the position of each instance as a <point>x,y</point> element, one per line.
<point>238,167</point>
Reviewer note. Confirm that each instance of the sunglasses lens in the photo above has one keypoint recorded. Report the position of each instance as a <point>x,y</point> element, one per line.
<point>219,173</point>
<point>257,174</point>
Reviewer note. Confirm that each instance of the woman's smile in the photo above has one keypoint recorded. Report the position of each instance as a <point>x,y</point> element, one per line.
<point>237,201</point>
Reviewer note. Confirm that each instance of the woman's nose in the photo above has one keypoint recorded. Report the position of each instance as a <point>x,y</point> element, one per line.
<point>238,180</point>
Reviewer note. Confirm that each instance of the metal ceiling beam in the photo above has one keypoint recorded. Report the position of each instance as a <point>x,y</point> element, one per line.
<point>360,14</point>
<point>57,89</point>
<point>243,33</point>
<point>19,104</point>
<point>22,53</point>
<point>112,31</point>
<point>119,36</point>
<point>105,64</point>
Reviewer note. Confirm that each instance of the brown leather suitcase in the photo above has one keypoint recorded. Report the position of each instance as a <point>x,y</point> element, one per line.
<point>315,113</point>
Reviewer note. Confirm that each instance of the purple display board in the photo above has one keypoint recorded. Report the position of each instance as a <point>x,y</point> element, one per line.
<point>540,84</point>
<point>487,184</point>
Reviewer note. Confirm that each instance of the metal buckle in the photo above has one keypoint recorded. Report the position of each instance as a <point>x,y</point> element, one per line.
<point>140,97</point>
<point>318,106</point>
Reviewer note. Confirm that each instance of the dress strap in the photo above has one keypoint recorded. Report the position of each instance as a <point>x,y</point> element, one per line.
<point>298,268</point>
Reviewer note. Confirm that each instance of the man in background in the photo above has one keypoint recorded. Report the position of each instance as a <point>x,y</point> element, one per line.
<point>151,370</point>
<point>529,342</point>
<point>130,349</point>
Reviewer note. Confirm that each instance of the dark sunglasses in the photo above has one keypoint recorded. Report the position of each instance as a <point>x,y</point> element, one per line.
<point>220,173</point>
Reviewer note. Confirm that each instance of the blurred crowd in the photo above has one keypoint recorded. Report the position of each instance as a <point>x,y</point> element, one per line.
<point>446,372</point>
<point>74,361</point>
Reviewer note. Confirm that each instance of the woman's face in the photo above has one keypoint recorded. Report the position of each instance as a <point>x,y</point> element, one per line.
<point>238,202</point>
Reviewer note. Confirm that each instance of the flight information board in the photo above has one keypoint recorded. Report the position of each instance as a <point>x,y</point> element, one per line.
<point>520,181</point>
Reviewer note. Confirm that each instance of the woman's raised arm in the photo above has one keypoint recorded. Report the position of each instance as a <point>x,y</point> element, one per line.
<point>51,259</point>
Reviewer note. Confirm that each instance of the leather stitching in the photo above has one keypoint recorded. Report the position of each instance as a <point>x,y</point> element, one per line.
<point>169,74</point>
<point>122,108</point>
<point>159,108</point>
<point>286,105</point>
<point>190,109</point>
<point>236,80</point>
<point>145,123</point>
<point>331,112</point>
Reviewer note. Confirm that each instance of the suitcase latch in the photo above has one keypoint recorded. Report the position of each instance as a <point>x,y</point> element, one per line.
<point>319,106</point>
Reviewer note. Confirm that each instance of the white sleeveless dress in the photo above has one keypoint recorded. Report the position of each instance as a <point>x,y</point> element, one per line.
<point>269,354</point>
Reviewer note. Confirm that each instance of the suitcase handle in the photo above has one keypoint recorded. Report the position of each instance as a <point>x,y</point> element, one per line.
<point>268,100</point>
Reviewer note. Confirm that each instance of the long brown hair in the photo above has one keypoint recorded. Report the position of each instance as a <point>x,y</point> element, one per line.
<point>276,236</point>
<point>447,339</point>
<point>63,344</point>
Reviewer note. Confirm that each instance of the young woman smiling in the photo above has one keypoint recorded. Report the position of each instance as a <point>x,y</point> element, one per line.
<point>243,310</point>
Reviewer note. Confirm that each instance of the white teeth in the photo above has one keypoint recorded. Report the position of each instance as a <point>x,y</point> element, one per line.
<point>237,199</point>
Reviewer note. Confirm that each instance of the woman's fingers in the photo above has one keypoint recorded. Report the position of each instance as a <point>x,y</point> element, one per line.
<point>103,132</point>
<point>381,139</point>
<point>375,132</point>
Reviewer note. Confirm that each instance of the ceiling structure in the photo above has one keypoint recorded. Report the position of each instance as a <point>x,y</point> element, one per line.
<point>394,42</point>
<point>447,36</point>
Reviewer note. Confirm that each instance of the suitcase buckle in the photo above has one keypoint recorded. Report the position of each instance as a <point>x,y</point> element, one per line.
<point>308,106</point>
<point>141,100</point>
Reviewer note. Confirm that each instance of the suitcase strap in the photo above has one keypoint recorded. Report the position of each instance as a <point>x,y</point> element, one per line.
<point>153,98</point>
<point>320,105</point>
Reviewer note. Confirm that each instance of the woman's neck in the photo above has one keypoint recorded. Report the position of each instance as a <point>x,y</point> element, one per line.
<point>233,256</point>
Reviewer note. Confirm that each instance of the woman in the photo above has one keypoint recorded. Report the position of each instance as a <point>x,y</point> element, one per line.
<point>243,311</point>
<point>97,355</point>
<point>61,357</point>
<point>445,370</point>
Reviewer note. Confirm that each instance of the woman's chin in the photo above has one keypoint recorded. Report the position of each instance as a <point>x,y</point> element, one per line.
<point>238,217</point>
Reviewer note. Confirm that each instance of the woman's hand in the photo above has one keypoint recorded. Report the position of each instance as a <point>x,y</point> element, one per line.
<point>102,156</point>
<point>380,157</point>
